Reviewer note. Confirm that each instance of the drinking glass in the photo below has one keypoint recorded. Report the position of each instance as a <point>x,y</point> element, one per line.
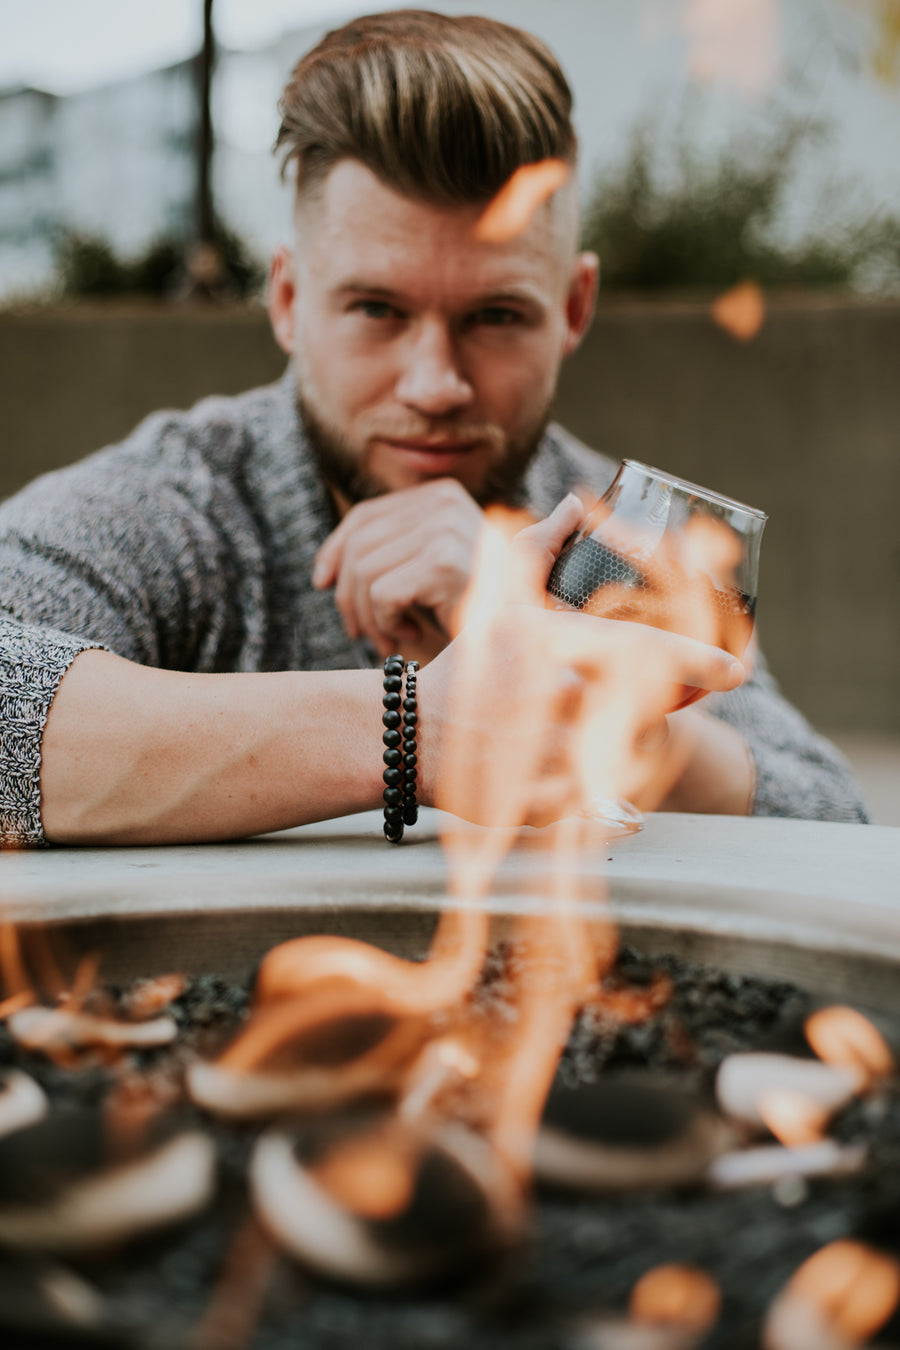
<point>656,549</point>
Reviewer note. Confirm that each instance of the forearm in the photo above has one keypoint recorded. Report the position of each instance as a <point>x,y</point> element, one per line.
<point>136,755</point>
<point>713,768</point>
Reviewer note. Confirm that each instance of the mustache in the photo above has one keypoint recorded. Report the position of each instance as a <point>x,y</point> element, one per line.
<point>434,429</point>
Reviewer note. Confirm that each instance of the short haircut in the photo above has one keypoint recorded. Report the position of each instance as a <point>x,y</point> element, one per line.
<point>443,109</point>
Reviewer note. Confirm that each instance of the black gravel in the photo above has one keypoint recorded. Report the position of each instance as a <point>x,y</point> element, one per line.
<point>584,1254</point>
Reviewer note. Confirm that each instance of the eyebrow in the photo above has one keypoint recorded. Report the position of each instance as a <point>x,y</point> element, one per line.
<point>359,286</point>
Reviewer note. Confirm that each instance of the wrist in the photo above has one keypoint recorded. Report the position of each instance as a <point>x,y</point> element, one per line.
<point>430,730</point>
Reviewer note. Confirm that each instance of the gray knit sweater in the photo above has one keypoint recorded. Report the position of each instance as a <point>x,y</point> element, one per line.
<point>190,546</point>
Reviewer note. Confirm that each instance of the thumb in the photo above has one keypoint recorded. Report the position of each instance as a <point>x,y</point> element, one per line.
<point>536,548</point>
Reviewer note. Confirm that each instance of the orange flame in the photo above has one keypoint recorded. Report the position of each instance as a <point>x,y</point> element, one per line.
<point>740,311</point>
<point>83,982</point>
<point>509,212</point>
<point>16,1001</point>
<point>287,1022</point>
<point>853,1286</point>
<point>149,996</point>
<point>793,1118</point>
<point>12,965</point>
<point>676,1295</point>
<point>368,1174</point>
<point>844,1037</point>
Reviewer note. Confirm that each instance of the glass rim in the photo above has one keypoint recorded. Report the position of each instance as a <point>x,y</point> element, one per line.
<point>695,489</point>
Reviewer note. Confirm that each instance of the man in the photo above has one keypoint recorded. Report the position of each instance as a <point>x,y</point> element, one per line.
<point>195,616</point>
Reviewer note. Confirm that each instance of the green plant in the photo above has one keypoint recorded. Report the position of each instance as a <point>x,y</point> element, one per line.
<point>669,217</point>
<point>86,265</point>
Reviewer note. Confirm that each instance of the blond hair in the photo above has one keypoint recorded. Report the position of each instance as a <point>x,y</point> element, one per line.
<point>444,109</point>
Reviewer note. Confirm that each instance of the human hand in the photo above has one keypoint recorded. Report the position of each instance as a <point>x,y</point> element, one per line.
<point>532,711</point>
<point>400,565</point>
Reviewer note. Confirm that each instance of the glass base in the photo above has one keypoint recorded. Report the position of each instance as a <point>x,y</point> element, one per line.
<point>615,815</point>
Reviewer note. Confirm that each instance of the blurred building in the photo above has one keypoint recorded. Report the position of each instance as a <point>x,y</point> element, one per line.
<point>28,177</point>
<point>115,162</point>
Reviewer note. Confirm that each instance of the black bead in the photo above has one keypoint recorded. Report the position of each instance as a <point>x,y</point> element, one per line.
<point>410,813</point>
<point>393,796</point>
<point>391,739</point>
<point>393,832</point>
<point>391,718</point>
<point>392,777</point>
<point>395,660</point>
<point>409,704</point>
<point>392,684</point>
<point>409,781</point>
<point>392,758</point>
<point>393,814</point>
<point>410,759</point>
<point>409,747</point>
<point>410,719</point>
<point>391,700</point>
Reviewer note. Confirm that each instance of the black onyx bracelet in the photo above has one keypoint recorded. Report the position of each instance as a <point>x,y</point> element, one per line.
<point>400,806</point>
<point>410,721</point>
<point>393,771</point>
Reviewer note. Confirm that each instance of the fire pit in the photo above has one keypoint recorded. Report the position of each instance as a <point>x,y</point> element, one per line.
<point>814,905</point>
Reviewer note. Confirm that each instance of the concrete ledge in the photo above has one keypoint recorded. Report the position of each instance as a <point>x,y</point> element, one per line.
<point>804,900</point>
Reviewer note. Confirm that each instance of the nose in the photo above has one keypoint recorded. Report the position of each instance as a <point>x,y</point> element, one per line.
<point>431,380</point>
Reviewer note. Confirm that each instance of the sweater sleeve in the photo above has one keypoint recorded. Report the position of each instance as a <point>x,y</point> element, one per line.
<point>142,550</point>
<point>32,662</point>
<point>799,772</point>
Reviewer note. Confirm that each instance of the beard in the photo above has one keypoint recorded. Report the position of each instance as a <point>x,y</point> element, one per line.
<point>340,464</point>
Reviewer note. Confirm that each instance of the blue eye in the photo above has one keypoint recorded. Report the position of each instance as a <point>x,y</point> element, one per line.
<point>376,309</point>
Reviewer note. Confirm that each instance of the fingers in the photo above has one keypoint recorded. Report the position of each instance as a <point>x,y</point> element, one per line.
<point>328,558</point>
<point>597,646</point>
<point>536,548</point>
<point>410,550</point>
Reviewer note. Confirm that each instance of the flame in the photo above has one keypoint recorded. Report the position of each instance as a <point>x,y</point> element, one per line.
<point>557,972</point>
<point>741,311</point>
<point>444,1064</point>
<point>24,999</point>
<point>853,1286</point>
<point>508,213</point>
<point>676,1295</point>
<point>793,1118</point>
<point>12,965</point>
<point>83,982</point>
<point>149,996</point>
<point>286,1022</point>
<point>369,1174</point>
<point>734,42</point>
<point>297,966</point>
<point>844,1037</point>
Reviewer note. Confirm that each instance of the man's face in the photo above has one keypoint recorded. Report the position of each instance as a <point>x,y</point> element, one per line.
<point>420,352</point>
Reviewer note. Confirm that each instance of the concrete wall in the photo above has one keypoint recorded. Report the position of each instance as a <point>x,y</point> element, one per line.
<point>804,422</point>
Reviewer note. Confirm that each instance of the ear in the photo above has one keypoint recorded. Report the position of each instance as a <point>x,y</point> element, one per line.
<point>282,292</point>
<point>581,299</point>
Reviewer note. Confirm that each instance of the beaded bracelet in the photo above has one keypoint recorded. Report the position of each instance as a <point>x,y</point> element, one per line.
<point>393,773</point>
<point>410,721</point>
